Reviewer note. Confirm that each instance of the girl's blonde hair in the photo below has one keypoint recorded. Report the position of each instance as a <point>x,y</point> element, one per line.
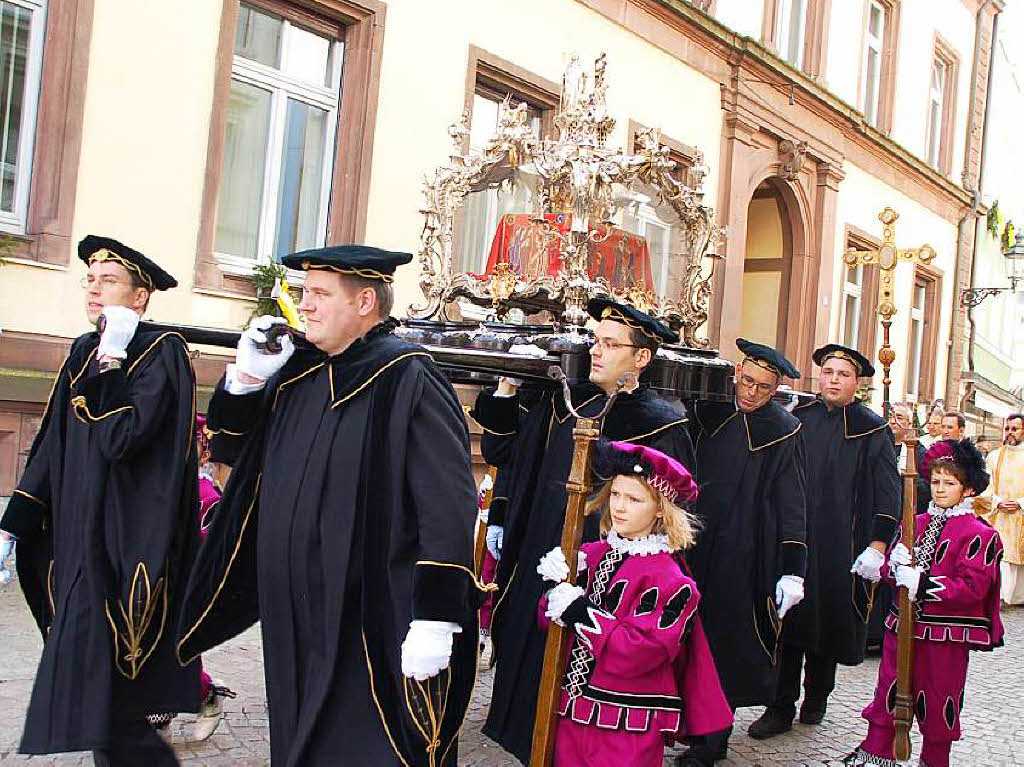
<point>675,521</point>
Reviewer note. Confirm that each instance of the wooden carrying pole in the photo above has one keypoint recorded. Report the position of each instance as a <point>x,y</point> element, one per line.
<point>480,545</point>
<point>903,712</point>
<point>578,487</point>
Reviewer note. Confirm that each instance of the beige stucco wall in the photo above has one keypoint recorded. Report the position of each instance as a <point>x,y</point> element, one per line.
<point>140,179</point>
<point>861,198</point>
<point>919,23</point>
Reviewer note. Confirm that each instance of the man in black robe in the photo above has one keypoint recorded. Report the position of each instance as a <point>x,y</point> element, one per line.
<point>750,555</point>
<point>540,441</point>
<point>853,497</point>
<point>105,521</point>
<point>346,527</point>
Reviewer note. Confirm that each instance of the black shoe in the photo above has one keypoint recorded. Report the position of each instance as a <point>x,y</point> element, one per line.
<point>771,723</point>
<point>812,712</point>
<point>686,760</point>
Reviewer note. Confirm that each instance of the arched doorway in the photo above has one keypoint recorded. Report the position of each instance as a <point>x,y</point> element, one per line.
<point>767,268</point>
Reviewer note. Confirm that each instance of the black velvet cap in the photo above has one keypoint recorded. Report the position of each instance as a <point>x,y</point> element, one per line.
<point>359,260</point>
<point>607,309</point>
<point>837,351</point>
<point>94,249</point>
<point>767,357</point>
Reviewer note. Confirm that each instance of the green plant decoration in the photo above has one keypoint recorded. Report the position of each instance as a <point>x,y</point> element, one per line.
<point>992,220</point>
<point>264,277</point>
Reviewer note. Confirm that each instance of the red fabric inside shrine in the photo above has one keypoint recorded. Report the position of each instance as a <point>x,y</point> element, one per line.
<point>531,249</point>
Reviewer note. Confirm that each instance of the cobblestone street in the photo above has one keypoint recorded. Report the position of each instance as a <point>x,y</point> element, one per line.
<point>993,722</point>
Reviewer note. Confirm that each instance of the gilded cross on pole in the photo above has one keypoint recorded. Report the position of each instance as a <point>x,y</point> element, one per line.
<point>887,256</point>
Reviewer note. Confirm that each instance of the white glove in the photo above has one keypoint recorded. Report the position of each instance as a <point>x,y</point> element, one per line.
<point>495,538</point>
<point>553,566</point>
<point>513,383</point>
<point>789,592</point>
<point>869,564</point>
<point>899,555</point>
<point>249,359</point>
<point>427,649</point>
<point>910,578</point>
<point>527,350</point>
<point>559,598</point>
<point>117,334</point>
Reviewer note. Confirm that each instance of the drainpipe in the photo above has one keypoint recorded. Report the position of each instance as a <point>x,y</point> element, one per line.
<point>961,251</point>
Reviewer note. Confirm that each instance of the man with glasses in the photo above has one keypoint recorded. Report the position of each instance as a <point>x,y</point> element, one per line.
<point>750,554</point>
<point>105,521</point>
<point>1003,504</point>
<point>853,509</point>
<point>535,446</point>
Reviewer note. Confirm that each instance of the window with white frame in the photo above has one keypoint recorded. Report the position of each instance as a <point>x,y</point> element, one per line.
<point>483,210</point>
<point>22,26</point>
<point>278,151</point>
<point>659,235</point>
<point>873,41</point>
<point>850,311</point>
<point>790,25</point>
<point>914,356</point>
<point>936,99</point>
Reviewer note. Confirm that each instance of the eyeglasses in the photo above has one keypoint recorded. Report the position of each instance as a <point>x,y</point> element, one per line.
<point>105,282</point>
<point>606,345</point>
<point>761,388</point>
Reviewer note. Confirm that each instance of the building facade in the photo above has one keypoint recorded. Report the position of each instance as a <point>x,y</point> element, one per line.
<point>217,134</point>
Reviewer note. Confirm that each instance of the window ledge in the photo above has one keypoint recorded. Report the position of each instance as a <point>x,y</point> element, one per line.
<point>38,264</point>
<point>239,266</point>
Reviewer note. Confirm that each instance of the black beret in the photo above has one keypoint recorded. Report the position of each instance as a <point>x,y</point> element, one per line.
<point>94,249</point>
<point>767,357</point>
<point>358,260</point>
<point>837,351</point>
<point>606,309</point>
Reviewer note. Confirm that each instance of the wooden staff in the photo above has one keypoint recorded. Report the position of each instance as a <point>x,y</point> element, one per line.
<point>903,712</point>
<point>481,526</point>
<point>578,490</point>
<point>578,486</point>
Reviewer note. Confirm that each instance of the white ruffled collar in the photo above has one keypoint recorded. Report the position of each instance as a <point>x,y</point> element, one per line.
<point>966,506</point>
<point>641,547</point>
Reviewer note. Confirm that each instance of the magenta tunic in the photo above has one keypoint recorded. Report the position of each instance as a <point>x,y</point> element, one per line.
<point>957,610</point>
<point>208,495</point>
<point>639,671</point>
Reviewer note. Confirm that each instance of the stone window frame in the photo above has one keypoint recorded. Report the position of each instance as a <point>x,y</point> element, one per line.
<point>491,74</point>
<point>944,52</point>
<point>360,25</point>
<point>815,34</point>
<point>684,155</point>
<point>867,327</point>
<point>889,63</point>
<point>931,279</point>
<point>60,115</point>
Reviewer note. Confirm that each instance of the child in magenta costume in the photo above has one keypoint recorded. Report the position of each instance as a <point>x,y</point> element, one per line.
<point>954,588</point>
<point>639,672</point>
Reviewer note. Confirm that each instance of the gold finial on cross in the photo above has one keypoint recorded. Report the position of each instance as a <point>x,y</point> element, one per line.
<point>887,256</point>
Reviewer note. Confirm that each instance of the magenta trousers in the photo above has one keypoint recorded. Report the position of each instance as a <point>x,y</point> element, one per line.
<point>586,744</point>
<point>938,679</point>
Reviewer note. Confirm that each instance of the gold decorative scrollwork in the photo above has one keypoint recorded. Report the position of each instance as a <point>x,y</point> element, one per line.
<point>577,174</point>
